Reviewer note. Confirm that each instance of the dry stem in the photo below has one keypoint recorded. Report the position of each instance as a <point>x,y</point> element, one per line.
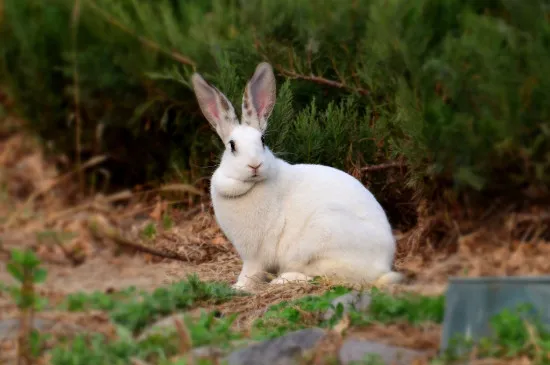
<point>78,121</point>
<point>100,228</point>
<point>321,80</point>
<point>382,166</point>
<point>91,162</point>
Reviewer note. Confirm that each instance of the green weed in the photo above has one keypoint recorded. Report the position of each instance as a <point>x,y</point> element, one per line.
<point>135,310</point>
<point>25,268</point>
<point>149,231</point>
<point>167,221</point>
<point>157,347</point>
<point>516,333</point>
<point>412,308</point>
<point>291,316</point>
<point>306,312</point>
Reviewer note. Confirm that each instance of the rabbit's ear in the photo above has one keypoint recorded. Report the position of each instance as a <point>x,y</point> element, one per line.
<point>215,106</point>
<point>259,97</point>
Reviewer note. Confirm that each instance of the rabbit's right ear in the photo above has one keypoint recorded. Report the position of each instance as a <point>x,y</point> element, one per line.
<point>259,97</point>
<point>215,106</point>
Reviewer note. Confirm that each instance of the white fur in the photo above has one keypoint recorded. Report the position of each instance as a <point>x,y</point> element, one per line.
<point>298,221</point>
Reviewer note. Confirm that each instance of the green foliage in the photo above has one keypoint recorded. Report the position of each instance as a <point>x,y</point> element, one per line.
<point>157,347</point>
<point>25,268</point>
<point>409,307</point>
<point>458,89</point>
<point>149,231</point>
<point>384,308</point>
<point>516,333</point>
<point>135,310</point>
<point>96,349</point>
<point>298,314</point>
<point>81,301</point>
<point>167,221</point>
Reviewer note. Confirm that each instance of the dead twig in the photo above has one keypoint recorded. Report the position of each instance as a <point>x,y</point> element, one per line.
<point>77,117</point>
<point>321,80</point>
<point>185,338</point>
<point>100,228</point>
<point>383,166</point>
<point>137,361</point>
<point>145,41</point>
<point>184,188</point>
<point>91,162</point>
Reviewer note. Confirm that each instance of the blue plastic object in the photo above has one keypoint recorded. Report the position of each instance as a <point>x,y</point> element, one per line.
<point>470,303</point>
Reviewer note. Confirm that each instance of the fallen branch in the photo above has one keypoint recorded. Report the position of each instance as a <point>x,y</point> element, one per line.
<point>383,166</point>
<point>145,41</point>
<point>100,228</point>
<point>321,80</point>
<point>91,162</point>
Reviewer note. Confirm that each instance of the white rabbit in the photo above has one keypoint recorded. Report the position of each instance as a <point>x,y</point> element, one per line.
<point>297,221</point>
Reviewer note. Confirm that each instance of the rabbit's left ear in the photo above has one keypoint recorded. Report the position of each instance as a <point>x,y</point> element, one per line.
<point>259,97</point>
<point>215,106</point>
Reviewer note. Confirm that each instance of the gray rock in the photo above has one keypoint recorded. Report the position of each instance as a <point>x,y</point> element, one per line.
<point>285,350</point>
<point>359,350</point>
<point>163,325</point>
<point>9,327</point>
<point>358,300</point>
<point>217,352</point>
<point>208,352</point>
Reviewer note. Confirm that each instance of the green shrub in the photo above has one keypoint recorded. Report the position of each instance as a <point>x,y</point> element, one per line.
<point>457,89</point>
<point>135,309</point>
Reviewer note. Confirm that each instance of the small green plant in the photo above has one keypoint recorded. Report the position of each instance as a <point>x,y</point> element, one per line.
<point>290,316</point>
<point>167,221</point>
<point>516,333</point>
<point>25,268</point>
<point>409,307</point>
<point>135,309</point>
<point>97,300</point>
<point>96,349</point>
<point>149,231</point>
<point>156,347</point>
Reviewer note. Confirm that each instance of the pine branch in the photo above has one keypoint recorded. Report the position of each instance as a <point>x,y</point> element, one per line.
<point>145,41</point>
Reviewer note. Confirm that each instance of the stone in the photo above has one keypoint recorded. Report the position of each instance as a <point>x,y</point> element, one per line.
<point>9,327</point>
<point>354,350</point>
<point>209,351</point>
<point>353,300</point>
<point>161,326</point>
<point>284,350</point>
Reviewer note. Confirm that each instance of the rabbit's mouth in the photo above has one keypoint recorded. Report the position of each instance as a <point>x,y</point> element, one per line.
<point>256,178</point>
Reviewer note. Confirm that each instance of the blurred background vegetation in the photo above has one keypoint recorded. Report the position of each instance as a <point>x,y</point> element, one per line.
<point>417,98</point>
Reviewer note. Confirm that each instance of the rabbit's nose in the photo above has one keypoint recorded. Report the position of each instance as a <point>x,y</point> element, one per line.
<point>255,167</point>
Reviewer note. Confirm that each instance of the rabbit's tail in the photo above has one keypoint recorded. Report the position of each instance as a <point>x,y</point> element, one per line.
<point>391,277</point>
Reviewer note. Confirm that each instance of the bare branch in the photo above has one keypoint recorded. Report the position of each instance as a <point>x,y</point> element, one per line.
<point>383,166</point>
<point>320,80</point>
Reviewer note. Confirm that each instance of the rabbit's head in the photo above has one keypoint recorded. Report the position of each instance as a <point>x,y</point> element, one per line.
<point>246,157</point>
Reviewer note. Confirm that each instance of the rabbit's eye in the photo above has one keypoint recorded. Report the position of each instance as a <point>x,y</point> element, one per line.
<point>263,141</point>
<point>232,144</point>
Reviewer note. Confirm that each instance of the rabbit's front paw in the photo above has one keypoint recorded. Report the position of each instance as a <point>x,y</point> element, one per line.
<point>289,277</point>
<point>240,286</point>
